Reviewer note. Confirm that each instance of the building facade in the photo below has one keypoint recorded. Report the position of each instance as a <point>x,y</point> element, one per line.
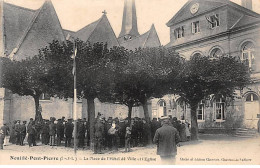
<point>217,28</point>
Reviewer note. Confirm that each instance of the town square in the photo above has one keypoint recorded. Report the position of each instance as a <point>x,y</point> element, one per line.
<point>130,82</point>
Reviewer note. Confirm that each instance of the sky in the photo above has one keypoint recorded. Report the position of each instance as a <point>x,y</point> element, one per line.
<point>75,14</point>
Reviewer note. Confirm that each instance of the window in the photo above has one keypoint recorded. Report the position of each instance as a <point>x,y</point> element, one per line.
<point>220,109</point>
<point>45,96</point>
<point>201,111</point>
<point>179,32</point>
<point>195,27</point>
<point>248,52</point>
<point>196,55</point>
<point>216,53</point>
<point>213,21</point>
<point>162,104</point>
<point>251,97</point>
<point>182,109</point>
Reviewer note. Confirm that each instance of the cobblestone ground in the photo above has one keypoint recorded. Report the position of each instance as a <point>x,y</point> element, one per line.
<point>210,149</point>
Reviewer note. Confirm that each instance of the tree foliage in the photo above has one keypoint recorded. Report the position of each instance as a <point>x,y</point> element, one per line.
<point>204,76</point>
<point>25,78</point>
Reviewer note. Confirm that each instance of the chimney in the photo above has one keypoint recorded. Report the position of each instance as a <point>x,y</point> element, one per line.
<point>247,4</point>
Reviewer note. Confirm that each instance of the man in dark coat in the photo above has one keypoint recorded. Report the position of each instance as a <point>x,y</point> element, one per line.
<point>68,132</point>
<point>12,133</point>
<point>81,134</point>
<point>22,132</point>
<point>167,138</point>
<point>60,132</point>
<point>31,134</point>
<point>153,126</point>
<point>45,133</point>
<point>99,132</point>
<point>17,129</point>
<point>52,132</point>
<point>6,133</point>
<point>121,133</point>
<point>145,133</point>
<point>2,137</point>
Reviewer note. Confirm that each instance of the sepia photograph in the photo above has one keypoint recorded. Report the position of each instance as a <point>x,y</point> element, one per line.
<point>130,82</point>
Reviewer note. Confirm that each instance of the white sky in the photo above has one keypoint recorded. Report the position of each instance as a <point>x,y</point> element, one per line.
<point>75,14</point>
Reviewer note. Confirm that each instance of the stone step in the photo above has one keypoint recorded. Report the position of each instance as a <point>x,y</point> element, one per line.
<point>248,132</point>
<point>245,133</point>
<point>245,136</point>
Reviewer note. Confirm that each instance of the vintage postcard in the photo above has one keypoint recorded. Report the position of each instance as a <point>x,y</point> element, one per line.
<point>129,82</point>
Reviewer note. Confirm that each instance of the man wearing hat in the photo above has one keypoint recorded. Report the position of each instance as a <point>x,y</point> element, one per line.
<point>68,132</point>
<point>2,137</point>
<point>22,132</point>
<point>60,131</point>
<point>99,131</point>
<point>52,131</point>
<point>166,138</point>
<point>31,134</point>
<point>4,131</point>
<point>17,129</point>
<point>45,133</point>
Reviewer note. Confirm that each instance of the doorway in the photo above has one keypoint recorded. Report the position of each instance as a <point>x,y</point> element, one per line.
<point>251,110</point>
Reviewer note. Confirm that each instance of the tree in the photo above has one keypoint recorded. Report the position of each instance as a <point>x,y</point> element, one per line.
<point>25,78</point>
<point>59,64</point>
<point>93,76</point>
<point>203,76</point>
<point>145,75</point>
<point>123,89</point>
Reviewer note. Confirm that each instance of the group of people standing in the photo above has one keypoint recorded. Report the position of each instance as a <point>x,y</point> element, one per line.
<point>109,134</point>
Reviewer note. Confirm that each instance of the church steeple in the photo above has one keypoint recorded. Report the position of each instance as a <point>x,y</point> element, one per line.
<point>129,23</point>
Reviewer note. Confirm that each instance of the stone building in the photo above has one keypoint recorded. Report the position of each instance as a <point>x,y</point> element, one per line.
<point>23,31</point>
<point>215,28</point>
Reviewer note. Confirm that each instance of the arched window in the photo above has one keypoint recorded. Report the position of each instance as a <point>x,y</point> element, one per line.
<point>162,105</point>
<point>219,108</point>
<point>197,54</point>
<point>201,111</point>
<point>216,53</point>
<point>252,97</point>
<point>248,54</point>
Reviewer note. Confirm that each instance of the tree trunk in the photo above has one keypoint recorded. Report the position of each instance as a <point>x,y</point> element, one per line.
<point>38,114</point>
<point>147,118</point>
<point>91,120</point>
<point>194,123</point>
<point>130,107</point>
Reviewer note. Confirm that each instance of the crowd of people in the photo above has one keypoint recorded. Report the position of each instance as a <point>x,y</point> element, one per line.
<point>109,134</point>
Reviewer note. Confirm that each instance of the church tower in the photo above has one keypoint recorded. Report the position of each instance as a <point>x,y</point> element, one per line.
<point>129,25</point>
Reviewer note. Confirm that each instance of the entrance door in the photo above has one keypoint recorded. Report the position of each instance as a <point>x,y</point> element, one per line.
<point>251,111</point>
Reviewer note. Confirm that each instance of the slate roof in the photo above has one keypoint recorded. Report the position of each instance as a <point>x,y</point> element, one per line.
<point>148,39</point>
<point>68,34</point>
<point>16,21</point>
<point>86,31</point>
<point>26,30</point>
<point>98,31</point>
